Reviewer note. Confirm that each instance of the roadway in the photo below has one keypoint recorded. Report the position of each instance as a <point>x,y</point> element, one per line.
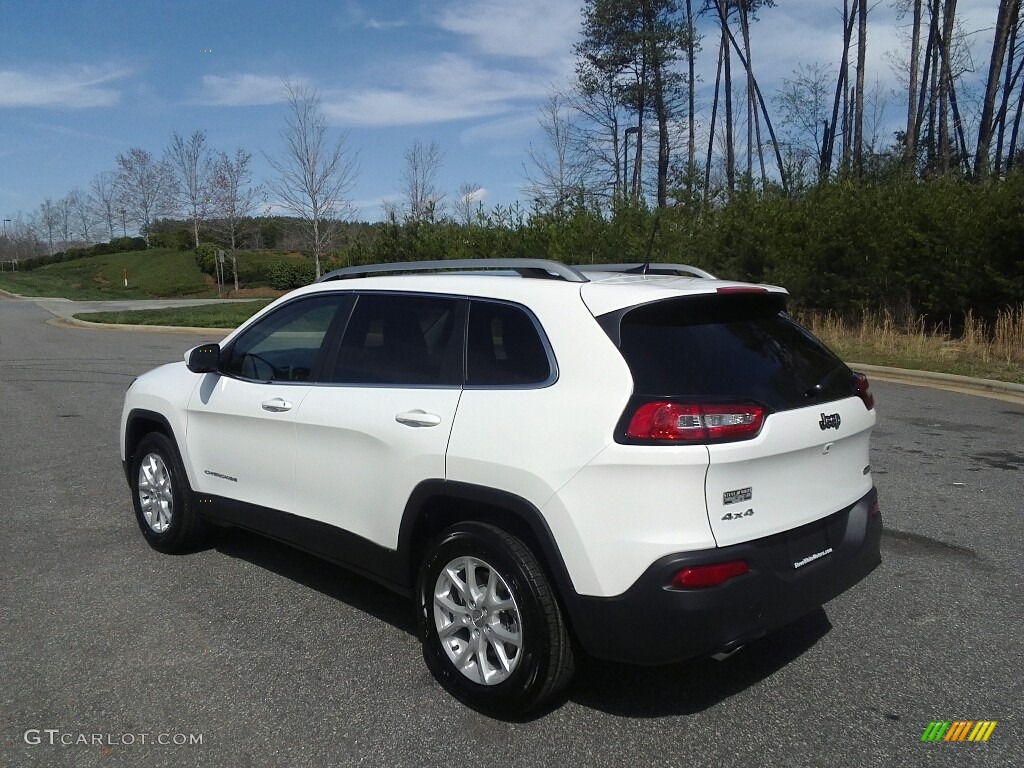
<point>274,658</point>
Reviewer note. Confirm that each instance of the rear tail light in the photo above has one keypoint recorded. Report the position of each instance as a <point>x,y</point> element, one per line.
<point>876,508</point>
<point>700,576</point>
<point>694,422</point>
<point>864,390</point>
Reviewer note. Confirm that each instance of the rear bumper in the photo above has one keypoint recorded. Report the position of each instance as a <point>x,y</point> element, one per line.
<point>652,624</point>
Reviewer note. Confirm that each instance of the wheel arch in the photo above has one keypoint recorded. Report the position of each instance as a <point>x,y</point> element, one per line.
<point>436,505</point>
<point>141,422</point>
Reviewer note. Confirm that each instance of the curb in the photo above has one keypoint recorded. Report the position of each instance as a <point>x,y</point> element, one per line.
<point>989,387</point>
<point>74,322</point>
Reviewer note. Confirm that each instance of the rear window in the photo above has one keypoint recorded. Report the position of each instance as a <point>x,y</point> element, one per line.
<point>728,348</point>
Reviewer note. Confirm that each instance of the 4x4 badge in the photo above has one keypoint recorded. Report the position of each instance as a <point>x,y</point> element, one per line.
<point>829,421</point>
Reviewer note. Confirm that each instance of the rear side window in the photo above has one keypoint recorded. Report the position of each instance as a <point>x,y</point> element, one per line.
<point>504,347</point>
<point>729,348</point>
<point>398,340</point>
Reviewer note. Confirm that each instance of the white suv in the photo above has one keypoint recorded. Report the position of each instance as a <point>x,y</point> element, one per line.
<point>637,461</point>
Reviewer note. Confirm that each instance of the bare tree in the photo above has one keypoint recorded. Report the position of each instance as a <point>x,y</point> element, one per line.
<point>858,99</point>
<point>313,178</point>
<point>49,223</point>
<point>64,221</point>
<point>424,201</point>
<point>803,109</point>
<point>146,188</point>
<point>235,201</point>
<point>190,160</point>
<point>468,203</point>
<point>103,197</point>
<point>1005,20</point>
<point>555,173</point>
<point>82,214</point>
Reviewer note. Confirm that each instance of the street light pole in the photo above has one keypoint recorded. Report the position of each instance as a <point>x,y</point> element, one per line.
<point>631,131</point>
<point>124,224</point>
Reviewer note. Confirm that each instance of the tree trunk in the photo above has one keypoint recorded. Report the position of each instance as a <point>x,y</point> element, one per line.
<point>828,149</point>
<point>1012,154</point>
<point>910,138</point>
<point>945,80</point>
<point>764,111</point>
<point>858,128</point>
<point>714,117</point>
<point>691,143</point>
<point>1008,83</point>
<point>730,155</point>
<point>1002,35</point>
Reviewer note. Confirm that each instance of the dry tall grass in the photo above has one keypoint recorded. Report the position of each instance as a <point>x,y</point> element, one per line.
<point>880,337</point>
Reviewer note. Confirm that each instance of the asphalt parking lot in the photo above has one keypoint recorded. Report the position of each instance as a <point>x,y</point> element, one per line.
<point>254,655</point>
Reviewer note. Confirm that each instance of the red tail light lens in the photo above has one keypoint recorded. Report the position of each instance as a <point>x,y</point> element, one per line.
<point>699,576</point>
<point>695,422</point>
<point>864,390</point>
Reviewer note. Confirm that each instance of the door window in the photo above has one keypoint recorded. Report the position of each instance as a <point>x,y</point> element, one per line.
<point>285,345</point>
<point>398,340</point>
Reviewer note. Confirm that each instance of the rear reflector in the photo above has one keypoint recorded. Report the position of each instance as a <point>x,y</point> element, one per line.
<point>699,576</point>
<point>695,422</point>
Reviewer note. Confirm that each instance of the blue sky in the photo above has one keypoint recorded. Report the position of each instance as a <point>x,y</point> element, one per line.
<point>82,81</point>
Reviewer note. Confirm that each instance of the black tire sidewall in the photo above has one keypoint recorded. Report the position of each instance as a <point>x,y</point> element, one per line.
<point>517,692</point>
<point>175,538</point>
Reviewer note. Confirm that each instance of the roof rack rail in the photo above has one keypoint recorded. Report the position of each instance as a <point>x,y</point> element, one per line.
<point>652,268</point>
<point>535,268</point>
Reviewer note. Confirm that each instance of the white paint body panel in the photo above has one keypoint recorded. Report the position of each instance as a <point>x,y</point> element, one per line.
<point>339,456</point>
<point>231,434</point>
<point>356,465</point>
<point>796,471</point>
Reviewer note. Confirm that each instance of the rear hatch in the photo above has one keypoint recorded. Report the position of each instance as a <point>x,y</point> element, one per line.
<point>786,423</point>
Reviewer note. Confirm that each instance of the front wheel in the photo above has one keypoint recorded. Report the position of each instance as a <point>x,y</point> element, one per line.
<point>492,630</point>
<point>162,497</point>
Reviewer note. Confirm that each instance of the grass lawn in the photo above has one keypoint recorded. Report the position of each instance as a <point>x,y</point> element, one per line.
<point>155,273</point>
<point>227,315</point>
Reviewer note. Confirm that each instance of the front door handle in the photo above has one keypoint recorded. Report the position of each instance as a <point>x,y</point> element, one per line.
<point>276,405</point>
<point>418,418</point>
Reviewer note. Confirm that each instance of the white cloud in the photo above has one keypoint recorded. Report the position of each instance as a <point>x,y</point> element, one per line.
<point>453,87</point>
<point>241,90</point>
<point>67,87</point>
<point>525,28</point>
<point>356,15</point>
<point>502,129</point>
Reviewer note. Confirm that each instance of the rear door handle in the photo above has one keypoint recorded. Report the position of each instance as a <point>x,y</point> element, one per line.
<point>418,418</point>
<point>276,405</point>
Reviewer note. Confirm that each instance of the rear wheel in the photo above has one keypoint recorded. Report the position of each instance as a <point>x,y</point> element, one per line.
<point>493,633</point>
<point>162,497</point>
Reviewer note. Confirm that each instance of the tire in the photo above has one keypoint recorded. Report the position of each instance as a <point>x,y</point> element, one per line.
<point>492,630</point>
<point>164,506</point>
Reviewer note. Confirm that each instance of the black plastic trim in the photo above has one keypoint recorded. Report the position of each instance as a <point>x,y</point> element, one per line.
<point>451,492</point>
<point>651,623</point>
<point>131,439</point>
<point>338,546</point>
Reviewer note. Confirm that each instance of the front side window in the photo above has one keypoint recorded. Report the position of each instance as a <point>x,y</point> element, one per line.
<point>284,345</point>
<point>400,340</point>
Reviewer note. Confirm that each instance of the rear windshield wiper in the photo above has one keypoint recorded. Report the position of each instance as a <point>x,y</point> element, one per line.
<point>819,388</point>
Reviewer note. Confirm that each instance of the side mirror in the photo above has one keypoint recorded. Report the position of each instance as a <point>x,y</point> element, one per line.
<point>204,358</point>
